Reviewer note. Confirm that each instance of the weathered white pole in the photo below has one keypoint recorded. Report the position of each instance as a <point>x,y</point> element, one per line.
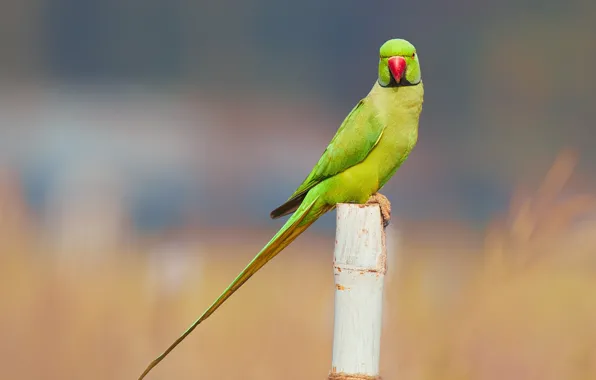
<point>359,264</point>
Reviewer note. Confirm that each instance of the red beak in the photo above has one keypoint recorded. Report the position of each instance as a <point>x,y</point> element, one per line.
<point>397,66</point>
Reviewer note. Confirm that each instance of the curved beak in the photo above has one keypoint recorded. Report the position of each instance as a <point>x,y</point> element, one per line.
<point>397,66</point>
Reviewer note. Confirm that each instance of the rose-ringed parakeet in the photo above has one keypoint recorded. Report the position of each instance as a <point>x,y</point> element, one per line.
<point>370,145</point>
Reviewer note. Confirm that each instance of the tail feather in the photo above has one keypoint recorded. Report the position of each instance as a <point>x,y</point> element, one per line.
<point>290,231</point>
<point>288,207</point>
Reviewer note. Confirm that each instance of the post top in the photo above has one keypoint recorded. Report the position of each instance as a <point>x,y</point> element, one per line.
<point>360,238</point>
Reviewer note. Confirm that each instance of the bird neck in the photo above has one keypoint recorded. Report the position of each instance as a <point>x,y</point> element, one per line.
<point>405,100</point>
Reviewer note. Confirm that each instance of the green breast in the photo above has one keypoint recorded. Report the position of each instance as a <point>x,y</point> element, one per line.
<point>399,108</point>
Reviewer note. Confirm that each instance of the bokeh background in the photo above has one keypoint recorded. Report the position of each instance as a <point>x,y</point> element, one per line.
<point>143,144</point>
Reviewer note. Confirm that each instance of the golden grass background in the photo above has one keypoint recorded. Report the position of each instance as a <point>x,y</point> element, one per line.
<point>518,303</point>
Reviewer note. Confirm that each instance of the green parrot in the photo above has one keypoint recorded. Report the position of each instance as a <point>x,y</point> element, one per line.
<point>370,145</point>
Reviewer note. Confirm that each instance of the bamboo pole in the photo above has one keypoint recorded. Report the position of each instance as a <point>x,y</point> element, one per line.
<point>359,264</point>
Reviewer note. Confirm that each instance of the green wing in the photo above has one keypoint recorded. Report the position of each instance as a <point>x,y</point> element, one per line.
<point>356,137</point>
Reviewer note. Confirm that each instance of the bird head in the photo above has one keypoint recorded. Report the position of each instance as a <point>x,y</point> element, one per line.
<point>398,64</point>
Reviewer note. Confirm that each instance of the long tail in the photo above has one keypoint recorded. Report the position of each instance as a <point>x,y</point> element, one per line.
<point>306,215</point>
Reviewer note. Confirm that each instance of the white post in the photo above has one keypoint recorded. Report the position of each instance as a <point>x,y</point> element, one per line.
<point>359,264</point>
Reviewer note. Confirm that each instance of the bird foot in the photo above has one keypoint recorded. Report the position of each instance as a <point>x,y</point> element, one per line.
<point>384,205</point>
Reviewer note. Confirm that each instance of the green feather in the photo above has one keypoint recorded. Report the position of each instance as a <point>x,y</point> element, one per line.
<point>355,138</point>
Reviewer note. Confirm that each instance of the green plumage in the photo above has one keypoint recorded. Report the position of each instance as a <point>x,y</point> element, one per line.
<point>373,141</point>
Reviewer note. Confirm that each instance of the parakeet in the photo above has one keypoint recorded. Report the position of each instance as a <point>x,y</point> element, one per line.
<point>370,145</point>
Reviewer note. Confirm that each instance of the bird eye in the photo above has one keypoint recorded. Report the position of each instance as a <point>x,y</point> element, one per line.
<point>413,55</point>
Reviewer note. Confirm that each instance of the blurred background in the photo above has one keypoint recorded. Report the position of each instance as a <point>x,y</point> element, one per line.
<point>143,144</point>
